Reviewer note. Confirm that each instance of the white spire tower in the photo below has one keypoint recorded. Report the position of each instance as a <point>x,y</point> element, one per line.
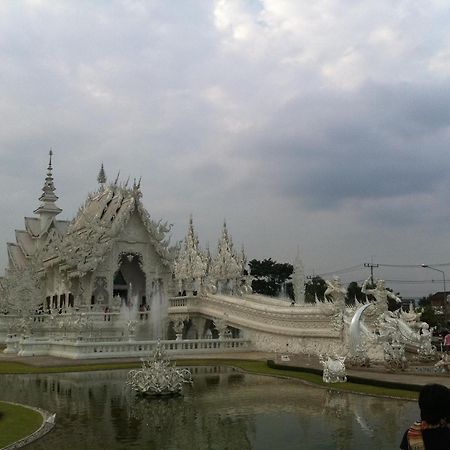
<point>48,209</point>
<point>298,279</point>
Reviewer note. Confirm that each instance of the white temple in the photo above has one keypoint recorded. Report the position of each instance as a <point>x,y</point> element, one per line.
<point>111,248</point>
<point>108,283</point>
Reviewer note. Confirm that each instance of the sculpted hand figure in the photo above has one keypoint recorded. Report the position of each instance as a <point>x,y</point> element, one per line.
<point>381,295</point>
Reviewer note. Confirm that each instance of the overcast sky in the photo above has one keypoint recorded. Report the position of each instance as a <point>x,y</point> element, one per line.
<point>322,125</point>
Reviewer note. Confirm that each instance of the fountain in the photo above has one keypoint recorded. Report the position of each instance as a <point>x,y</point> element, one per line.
<point>158,376</point>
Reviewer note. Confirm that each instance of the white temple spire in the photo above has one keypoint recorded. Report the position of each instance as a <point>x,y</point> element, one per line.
<point>298,279</point>
<point>48,209</point>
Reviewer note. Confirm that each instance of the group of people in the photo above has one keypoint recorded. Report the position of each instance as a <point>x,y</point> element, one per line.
<point>432,432</point>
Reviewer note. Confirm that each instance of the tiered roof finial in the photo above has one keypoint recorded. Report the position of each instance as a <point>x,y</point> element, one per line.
<point>48,196</point>
<point>48,190</point>
<point>49,187</point>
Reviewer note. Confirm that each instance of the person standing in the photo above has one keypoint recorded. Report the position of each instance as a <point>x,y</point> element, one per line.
<point>432,432</point>
<point>447,342</point>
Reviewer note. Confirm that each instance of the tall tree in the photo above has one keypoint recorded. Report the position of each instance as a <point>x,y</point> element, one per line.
<point>354,293</point>
<point>315,288</point>
<point>269,277</point>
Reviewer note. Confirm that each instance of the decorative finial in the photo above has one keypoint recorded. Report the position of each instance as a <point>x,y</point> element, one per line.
<point>48,196</point>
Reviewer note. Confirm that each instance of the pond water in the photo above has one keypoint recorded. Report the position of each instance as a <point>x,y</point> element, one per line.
<point>224,410</point>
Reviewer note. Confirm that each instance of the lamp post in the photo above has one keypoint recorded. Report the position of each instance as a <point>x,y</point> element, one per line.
<point>426,266</point>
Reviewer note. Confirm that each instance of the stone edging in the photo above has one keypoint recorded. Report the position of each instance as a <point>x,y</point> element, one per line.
<point>45,428</point>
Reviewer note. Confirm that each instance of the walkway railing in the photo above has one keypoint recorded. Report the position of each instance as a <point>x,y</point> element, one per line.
<point>81,349</point>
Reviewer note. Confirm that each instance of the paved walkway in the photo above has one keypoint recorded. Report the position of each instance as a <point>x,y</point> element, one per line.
<point>375,373</point>
<point>372,373</point>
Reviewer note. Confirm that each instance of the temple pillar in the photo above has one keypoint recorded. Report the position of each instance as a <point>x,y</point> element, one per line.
<point>199,324</point>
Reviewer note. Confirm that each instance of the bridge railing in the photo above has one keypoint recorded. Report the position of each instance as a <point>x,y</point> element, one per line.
<point>80,349</point>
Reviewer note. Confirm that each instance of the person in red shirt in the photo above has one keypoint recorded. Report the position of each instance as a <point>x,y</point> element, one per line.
<point>447,342</point>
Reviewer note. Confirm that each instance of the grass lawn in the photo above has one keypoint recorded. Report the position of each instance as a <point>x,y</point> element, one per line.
<point>257,367</point>
<point>17,422</point>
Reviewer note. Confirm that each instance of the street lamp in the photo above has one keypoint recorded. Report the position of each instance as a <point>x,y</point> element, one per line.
<point>426,266</point>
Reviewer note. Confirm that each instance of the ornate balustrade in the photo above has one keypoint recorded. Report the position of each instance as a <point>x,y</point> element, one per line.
<point>84,349</point>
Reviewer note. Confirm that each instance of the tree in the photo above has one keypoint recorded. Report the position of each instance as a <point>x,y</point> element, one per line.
<point>269,277</point>
<point>354,292</point>
<point>315,287</point>
<point>430,317</point>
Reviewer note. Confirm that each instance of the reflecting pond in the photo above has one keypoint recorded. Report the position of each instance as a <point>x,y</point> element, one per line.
<point>225,409</point>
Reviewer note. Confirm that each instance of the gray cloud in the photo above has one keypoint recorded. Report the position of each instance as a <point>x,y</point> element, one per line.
<point>299,124</point>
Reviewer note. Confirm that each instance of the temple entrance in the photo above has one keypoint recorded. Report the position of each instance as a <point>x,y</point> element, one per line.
<point>129,280</point>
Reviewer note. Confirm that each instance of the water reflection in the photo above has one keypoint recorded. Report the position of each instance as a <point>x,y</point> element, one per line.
<point>224,409</point>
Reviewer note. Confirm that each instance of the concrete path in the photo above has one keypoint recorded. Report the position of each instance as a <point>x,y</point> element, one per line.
<point>374,373</point>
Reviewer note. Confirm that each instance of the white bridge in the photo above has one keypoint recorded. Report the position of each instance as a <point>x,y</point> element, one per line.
<point>258,313</point>
<point>270,324</point>
<point>264,324</point>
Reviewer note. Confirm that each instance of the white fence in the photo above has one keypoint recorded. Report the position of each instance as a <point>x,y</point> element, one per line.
<point>86,349</point>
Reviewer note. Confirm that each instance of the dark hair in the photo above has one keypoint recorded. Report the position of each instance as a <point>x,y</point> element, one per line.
<point>434,403</point>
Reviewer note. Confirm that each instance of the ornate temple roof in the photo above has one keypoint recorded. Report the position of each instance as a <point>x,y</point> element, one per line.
<point>91,234</point>
<point>226,264</point>
<point>78,246</point>
<point>16,257</point>
<point>191,262</point>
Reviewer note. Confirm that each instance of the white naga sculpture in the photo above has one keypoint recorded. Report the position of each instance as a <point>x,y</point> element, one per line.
<point>333,369</point>
<point>390,332</point>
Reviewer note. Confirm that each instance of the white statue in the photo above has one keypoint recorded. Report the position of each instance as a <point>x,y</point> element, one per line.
<point>444,363</point>
<point>158,376</point>
<point>394,355</point>
<point>336,291</point>
<point>426,351</point>
<point>381,295</point>
<point>333,369</point>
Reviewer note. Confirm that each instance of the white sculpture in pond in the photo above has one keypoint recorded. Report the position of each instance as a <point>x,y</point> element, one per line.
<point>158,376</point>
<point>333,369</point>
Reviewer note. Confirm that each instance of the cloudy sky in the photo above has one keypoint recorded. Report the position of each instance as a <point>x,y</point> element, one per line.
<point>321,125</point>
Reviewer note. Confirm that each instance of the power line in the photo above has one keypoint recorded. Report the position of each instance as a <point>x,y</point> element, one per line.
<point>413,265</point>
<point>371,265</point>
<point>341,271</point>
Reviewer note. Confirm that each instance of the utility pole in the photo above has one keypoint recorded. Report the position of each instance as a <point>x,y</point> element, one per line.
<point>371,265</point>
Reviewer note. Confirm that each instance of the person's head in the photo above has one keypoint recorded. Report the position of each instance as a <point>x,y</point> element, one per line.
<point>380,284</point>
<point>434,403</point>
